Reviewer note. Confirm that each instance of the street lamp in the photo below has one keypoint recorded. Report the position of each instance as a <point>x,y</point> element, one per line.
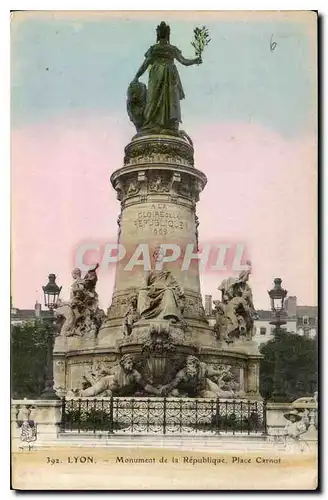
<point>51,292</point>
<point>51,295</point>
<point>277,296</point>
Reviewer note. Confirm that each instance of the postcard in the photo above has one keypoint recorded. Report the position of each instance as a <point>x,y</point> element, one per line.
<point>164,328</point>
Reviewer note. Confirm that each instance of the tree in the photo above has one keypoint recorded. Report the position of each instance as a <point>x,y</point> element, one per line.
<point>298,359</point>
<point>28,359</point>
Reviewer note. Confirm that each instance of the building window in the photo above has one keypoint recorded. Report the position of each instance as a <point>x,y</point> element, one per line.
<point>263,330</point>
<point>305,320</point>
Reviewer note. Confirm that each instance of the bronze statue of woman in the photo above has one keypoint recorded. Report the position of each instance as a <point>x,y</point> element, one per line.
<point>161,108</point>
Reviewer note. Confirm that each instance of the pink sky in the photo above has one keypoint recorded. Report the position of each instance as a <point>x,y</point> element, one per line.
<point>261,191</point>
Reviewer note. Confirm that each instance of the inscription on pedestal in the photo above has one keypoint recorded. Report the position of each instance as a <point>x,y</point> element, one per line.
<point>158,219</point>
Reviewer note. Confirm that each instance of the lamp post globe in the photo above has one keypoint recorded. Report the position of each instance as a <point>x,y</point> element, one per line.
<point>51,292</point>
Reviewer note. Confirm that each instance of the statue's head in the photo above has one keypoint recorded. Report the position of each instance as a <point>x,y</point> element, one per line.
<point>244,276</point>
<point>163,32</point>
<point>126,362</point>
<point>158,254</point>
<point>76,273</point>
<point>192,365</point>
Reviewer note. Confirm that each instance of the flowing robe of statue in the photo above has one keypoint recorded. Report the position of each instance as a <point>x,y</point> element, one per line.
<point>164,88</point>
<point>161,297</point>
<point>157,109</point>
<point>236,311</point>
<point>82,314</point>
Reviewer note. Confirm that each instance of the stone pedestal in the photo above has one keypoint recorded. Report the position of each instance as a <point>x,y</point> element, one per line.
<point>44,415</point>
<point>276,421</point>
<point>158,188</point>
<point>253,376</point>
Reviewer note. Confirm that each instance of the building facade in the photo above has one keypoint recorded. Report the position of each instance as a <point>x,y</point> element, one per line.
<point>21,316</point>
<point>301,320</point>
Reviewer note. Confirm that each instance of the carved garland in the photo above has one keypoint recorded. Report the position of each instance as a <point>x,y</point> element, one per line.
<point>174,184</point>
<point>85,361</point>
<point>149,149</point>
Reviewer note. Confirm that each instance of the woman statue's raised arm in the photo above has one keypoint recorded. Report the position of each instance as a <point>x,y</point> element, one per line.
<point>187,62</point>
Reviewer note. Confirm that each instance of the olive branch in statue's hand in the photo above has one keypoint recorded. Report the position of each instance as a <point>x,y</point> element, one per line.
<point>201,40</point>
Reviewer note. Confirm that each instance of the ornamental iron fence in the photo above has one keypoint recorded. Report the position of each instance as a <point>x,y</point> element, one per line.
<point>117,415</point>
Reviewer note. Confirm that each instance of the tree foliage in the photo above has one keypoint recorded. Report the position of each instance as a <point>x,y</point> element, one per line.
<point>28,359</point>
<point>298,361</point>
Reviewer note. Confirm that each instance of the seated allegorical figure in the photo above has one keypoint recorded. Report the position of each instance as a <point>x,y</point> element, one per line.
<point>81,314</point>
<point>161,297</point>
<point>197,379</point>
<point>235,312</point>
<point>123,381</point>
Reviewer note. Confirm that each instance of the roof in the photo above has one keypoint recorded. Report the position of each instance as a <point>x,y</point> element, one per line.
<point>267,315</point>
<point>311,311</point>
<point>22,313</point>
<point>263,314</point>
<point>26,314</point>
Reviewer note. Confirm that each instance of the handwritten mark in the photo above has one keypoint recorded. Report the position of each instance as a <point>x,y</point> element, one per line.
<point>273,44</point>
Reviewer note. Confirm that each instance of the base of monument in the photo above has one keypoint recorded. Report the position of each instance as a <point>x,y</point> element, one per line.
<point>159,350</point>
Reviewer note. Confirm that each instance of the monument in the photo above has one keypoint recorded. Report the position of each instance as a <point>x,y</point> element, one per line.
<point>155,339</point>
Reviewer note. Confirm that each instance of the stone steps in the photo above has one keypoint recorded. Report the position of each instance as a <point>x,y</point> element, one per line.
<point>227,442</point>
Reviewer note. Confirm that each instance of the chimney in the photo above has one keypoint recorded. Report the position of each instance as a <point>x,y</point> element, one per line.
<point>37,309</point>
<point>291,304</point>
<point>208,305</point>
